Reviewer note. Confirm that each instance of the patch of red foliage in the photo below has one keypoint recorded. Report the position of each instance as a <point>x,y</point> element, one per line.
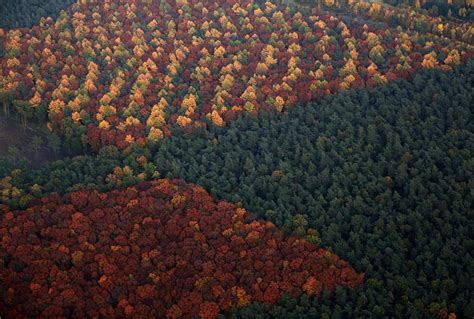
<point>159,249</point>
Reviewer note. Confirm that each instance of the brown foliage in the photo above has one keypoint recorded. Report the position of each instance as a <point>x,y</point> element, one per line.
<point>159,249</point>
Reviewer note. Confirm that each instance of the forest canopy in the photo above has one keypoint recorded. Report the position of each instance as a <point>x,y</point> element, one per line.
<point>380,176</point>
<point>344,127</point>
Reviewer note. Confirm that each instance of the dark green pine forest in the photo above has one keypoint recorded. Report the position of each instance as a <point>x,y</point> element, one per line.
<point>383,175</point>
<point>27,13</point>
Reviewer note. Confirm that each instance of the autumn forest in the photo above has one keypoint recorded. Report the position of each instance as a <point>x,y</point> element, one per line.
<point>236,159</point>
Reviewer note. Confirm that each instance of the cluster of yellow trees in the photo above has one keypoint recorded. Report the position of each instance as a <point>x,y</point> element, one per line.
<point>138,68</point>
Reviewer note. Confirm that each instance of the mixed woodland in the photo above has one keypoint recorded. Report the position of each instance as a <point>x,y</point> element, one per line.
<point>238,159</point>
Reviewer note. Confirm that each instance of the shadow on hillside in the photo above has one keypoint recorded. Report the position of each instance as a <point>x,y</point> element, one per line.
<point>31,145</point>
